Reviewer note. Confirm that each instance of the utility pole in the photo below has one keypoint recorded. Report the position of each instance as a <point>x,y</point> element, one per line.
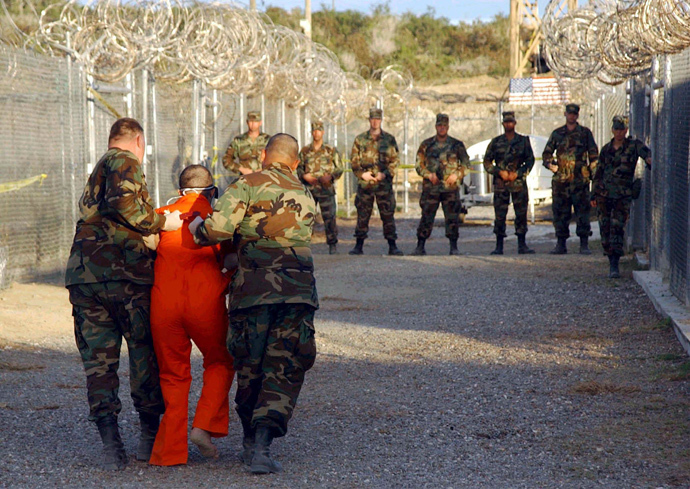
<point>252,5</point>
<point>524,16</point>
<point>305,23</point>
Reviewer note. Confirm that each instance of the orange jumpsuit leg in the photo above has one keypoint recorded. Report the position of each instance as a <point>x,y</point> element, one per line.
<point>173,348</point>
<point>209,334</point>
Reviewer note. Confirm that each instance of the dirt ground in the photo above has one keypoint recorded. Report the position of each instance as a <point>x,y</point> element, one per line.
<point>436,371</point>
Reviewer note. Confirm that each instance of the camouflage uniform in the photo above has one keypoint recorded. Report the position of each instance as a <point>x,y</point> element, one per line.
<point>325,160</point>
<point>612,190</point>
<point>444,159</point>
<point>109,277</point>
<point>378,155</point>
<point>273,293</point>
<point>570,184</point>
<point>515,156</point>
<point>245,152</point>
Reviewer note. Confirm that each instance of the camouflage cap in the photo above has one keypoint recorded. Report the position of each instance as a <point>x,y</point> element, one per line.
<point>317,126</point>
<point>375,113</point>
<point>509,116</point>
<point>620,122</point>
<point>442,119</point>
<point>572,109</point>
<point>254,115</point>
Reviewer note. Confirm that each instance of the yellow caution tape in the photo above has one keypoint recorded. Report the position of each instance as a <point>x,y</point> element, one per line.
<point>100,98</point>
<point>10,186</point>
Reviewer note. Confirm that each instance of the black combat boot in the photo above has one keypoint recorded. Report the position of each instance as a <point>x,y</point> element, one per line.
<point>332,249</point>
<point>262,463</point>
<point>613,266</point>
<point>114,456</point>
<point>584,245</point>
<point>523,249</point>
<point>393,249</point>
<point>499,246</point>
<point>149,428</point>
<point>560,248</point>
<point>453,247</point>
<point>419,250</point>
<point>357,250</point>
<point>248,442</point>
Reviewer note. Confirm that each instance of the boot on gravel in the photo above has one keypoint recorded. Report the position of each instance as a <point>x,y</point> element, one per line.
<point>248,442</point>
<point>560,248</point>
<point>393,249</point>
<point>419,250</point>
<point>584,246</point>
<point>149,428</point>
<point>114,456</point>
<point>332,249</point>
<point>499,246</point>
<point>454,247</point>
<point>262,463</point>
<point>613,266</point>
<point>523,249</point>
<point>357,250</point>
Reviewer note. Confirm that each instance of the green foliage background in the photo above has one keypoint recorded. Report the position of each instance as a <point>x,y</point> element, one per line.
<point>429,46</point>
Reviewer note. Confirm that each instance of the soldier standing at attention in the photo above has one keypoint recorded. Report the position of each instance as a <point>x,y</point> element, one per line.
<point>374,160</point>
<point>509,158</point>
<point>574,145</point>
<point>613,189</point>
<point>319,168</point>
<point>244,153</point>
<point>109,276</point>
<point>441,162</point>
<point>272,295</point>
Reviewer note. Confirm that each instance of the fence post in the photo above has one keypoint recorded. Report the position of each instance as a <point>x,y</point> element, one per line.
<point>156,159</point>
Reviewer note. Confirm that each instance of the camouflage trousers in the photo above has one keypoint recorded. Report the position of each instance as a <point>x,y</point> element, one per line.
<point>328,208</point>
<point>273,346</point>
<point>567,196</point>
<point>613,214</point>
<point>429,202</point>
<point>104,313</point>
<point>502,196</point>
<point>364,202</point>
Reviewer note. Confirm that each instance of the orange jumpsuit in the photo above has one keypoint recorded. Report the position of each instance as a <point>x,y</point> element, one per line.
<point>188,304</point>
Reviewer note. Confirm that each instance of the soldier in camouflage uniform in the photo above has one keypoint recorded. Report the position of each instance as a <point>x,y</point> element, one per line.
<point>509,158</point>
<point>374,160</point>
<point>319,168</point>
<point>612,188</point>
<point>109,276</point>
<point>574,145</point>
<point>272,295</point>
<point>244,153</point>
<point>441,162</point>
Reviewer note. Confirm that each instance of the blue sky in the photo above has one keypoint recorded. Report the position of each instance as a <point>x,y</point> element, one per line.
<point>466,10</point>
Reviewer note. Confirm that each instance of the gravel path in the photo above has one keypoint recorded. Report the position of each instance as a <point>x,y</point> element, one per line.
<point>437,371</point>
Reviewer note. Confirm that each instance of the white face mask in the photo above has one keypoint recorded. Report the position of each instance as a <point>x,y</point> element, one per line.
<point>198,190</point>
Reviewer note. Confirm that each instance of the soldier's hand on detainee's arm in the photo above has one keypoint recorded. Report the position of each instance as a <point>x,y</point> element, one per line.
<point>194,225</point>
<point>367,176</point>
<point>173,221</point>
<point>152,240</point>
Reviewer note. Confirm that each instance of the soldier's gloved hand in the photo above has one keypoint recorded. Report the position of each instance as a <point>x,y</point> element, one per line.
<point>152,240</point>
<point>433,178</point>
<point>194,225</point>
<point>173,221</point>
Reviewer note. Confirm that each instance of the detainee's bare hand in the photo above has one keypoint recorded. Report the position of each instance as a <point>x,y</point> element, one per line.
<point>173,221</point>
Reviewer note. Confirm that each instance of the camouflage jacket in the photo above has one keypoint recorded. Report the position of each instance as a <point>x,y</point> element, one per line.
<point>319,162</point>
<point>376,156</point>
<point>274,214</point>
<point>514,155</point>
<point>442,158</point>
<point>573,149</point>
<point>616,169</point>
<point>245,152</point>
<point>116,212</point>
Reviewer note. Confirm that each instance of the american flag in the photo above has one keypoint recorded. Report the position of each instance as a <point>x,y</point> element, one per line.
<point>538,91</point>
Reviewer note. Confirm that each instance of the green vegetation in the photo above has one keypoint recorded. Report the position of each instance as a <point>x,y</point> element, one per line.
<point>430,47</point>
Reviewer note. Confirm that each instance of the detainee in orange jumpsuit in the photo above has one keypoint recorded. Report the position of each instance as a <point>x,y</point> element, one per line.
<point>188,304</point>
